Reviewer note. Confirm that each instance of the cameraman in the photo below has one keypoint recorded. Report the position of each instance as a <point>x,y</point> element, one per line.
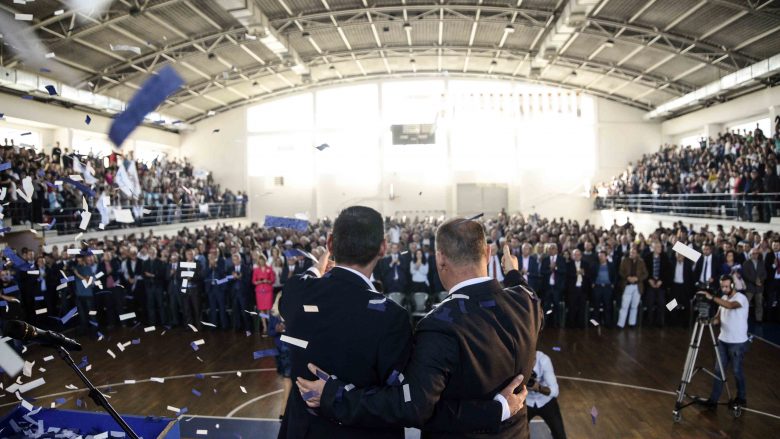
<point>732,341</point>
<point>542,396</point>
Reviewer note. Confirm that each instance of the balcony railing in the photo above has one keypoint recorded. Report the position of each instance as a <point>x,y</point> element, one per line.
<point>755,207</point>
<point>68,221</point>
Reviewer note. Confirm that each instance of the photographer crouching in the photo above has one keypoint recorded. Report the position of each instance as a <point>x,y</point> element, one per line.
<point>732,340</point>
<point>542,399</point>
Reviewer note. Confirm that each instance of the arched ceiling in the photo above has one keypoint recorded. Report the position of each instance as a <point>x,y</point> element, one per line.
<point>640,53</point>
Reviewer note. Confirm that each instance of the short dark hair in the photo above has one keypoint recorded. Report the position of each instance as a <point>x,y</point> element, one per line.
<point>462,241</point>
<point>358,233</point>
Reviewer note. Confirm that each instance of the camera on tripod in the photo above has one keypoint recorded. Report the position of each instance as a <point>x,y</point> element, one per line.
<point>704,309</point>
<point>532,380</point>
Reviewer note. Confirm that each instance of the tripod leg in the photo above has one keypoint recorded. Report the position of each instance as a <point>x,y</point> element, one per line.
<point>690,362</point>
<point>721,374</point>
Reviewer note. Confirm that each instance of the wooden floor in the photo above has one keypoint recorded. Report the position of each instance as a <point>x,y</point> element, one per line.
<point>648,358</point>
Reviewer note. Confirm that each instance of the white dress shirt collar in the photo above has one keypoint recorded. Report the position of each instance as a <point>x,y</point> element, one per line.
<point>467,282</point>
<point>362,276</point>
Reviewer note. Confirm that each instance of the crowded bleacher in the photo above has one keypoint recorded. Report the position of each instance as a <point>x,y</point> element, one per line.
<point>226,277</point>
<point>161,191</point>
<point>738,170</point>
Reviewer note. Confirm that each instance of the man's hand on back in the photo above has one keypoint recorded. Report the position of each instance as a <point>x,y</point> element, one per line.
<point>515,400</point>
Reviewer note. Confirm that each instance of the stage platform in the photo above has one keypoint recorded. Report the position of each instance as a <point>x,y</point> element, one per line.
<point>630,376</point>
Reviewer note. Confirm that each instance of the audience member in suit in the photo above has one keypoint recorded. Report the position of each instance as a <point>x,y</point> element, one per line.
<point>577,286</point>
<point>154,280</point>
<point>772,263</point>
<point>754,273</point>
<point>214,283</point>
<point>589,255</point>
<point>433,275</point>
<point>472,347</point>
<point>553,282</point>
<point>288,269</point>
<point>603,279</point>
<point>132,272</point>
<point>173,286</point>
<point>682,282</point>
<point>190,295</point>
<point>707,271</point>
<point>529,268</point>
<point>632,275</point>
<point>394,279</point>
<point>658,275</point>
<point>240,286</point>
<point>494,264</point>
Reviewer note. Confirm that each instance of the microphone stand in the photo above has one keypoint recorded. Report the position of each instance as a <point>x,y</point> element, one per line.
<point>96,395</point>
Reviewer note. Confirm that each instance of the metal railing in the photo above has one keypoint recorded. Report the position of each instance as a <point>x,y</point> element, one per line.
<point>753,207</point>
<point>68,221</point>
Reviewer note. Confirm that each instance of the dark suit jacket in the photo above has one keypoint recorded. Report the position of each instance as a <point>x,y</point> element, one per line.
<point>465,350</point>
<point>571,276</point>
<point>389,281</point>
<point>157,268</point>
<point>242,285</point>
<point>345,338</point>
<point>665,273</point>
<point>752,275</point>
<point>560,272</point>
<point>715,270</point>
<point>534,276</point>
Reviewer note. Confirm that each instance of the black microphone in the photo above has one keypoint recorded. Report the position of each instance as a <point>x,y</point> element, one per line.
<point>24,331</point>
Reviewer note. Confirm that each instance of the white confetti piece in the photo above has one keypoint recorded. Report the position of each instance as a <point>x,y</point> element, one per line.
<point>238,374</point>
<point>173,409</point>
<point>199,342</point>
<point>150,329</point>
<point>59,12</point>
<point>243,389</point>
<point>71,387</point>
<point>123,216</point>
<point>208,324</point>
<point>671,305</point>
<point>594,322</point>
<point>26,387</point>
<point>686,251</point>
<point>349,387</point>
<point>192,327</point>
<point>121,347</point>
<point>23,17</point>
<point>157,380</point>
<point>129,381</point>
<point>407,393</point>
<point>549,311</point>
<point>187,274</point>
<point>27,369</point>
<point>125,48</point>
<point>85,217</point>
<point>202,432</point>
<point>88,368</point>
<point>40,311</point>
<point>123,317</point>
<point>93,313</point>
<point>294,341</point>
<point>113,355</point>
<point>10,361</point>
<point>310,308</point>
<point>187,265</point>
<point>31,272</point>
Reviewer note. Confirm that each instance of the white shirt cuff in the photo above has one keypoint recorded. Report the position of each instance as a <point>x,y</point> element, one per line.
<point>505,413</point>
<point>314,271</point>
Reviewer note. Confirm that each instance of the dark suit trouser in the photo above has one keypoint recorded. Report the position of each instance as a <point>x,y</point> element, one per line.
<point>551,414</point>
<point>602,298</point>
<point>175,305</point>
<point>551,301</point>
<point>655,300</point>
<point>154,304</point>
<point>190,302</point>
<point>106,307</point>
<point>217,302</point>
<point>239,318</point>
<point>576,305</point>
<point>683,297</point>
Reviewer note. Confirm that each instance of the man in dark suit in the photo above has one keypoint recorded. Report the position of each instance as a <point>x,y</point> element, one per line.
<point>340,323</point>
<point>395,268</point>
<point>754,273</point>
<point>239,288</point>
<point>603,277</point>
<point>577,286</point>
<point>553,283</point>
<point>682,283</point>
<point>658,274</point>
<point>772,263</point>
<point>470,347</point>
<point>707,270</point>
<point>528,266</point>
<point>154,281</point>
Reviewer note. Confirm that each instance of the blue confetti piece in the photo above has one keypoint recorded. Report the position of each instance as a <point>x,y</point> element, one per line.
<point>487,303</point>
<point>392,380</point>
<point>322,375</point>
<point>199,376</point>
<point>286,223</point>
<point>84,362</point>
<point>88,120</point>
<point>12,289</point>
<point>263,315</point>
<point>223,281</point>
<point>64,319</point>
<point>100,334</point>
<point>196,393</point>
<point>79,403</point>
<point>265,353</point>
<point>3,304</point>
<point>60,400</point>
<point>153,92</point>
<point>28,97</point>
<point>45,70</point>
<point>38,298</point>
<point>462,306</point>
<point>80,186</point>
<point>443,314</point>
<point>136,341</point>
<point>377,306</point>
<point>93,323</point>
<point>41,172</point>
<point>556,348</point>
<point>52,91</point>
<point>5,229</point>
<point>310,394</point>
<point>183,410</point>
<point>194,346</point>
<point>67,279</point>
<point>5,166</point>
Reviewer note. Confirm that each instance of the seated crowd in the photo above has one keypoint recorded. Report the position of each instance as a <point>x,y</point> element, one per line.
<point>227,277</point>
<point>742,167</point>
<point>164,187</point>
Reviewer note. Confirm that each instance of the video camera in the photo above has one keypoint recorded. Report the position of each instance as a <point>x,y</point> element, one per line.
<point>704,309</point>
<point>532,380</point>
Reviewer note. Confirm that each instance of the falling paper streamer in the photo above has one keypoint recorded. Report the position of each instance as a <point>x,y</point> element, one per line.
<point>125,48</point>
<point>671,305</point>
<point>153,92</point>
<point>686,251</point>
<point>294,341</point>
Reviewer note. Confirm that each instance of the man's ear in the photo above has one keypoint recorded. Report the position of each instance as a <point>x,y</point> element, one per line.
<point>441,261</point>
<point>329,243</point>
<point>382,249</point>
